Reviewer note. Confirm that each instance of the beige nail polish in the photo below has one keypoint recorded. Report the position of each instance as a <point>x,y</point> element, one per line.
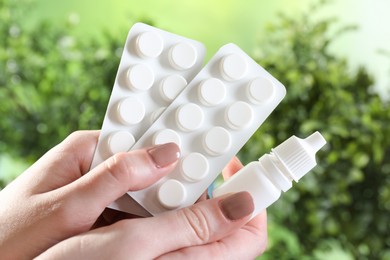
<point>164,154</point>
<point>237,206</point>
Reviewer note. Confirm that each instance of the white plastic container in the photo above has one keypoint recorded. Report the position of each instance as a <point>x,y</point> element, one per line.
<point>272,173</point>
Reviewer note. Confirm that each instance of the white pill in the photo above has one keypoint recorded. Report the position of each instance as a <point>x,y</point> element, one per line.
<point>120,141</point>
<point>239,115</point>
<point>140,77</point>
<point>217,141</point>
<point>172,194</point>
<point>171,86</point>
<point>182,56</point>
<point>156,114</point>
<point>166,136</point>
<point>130,111</point>
<point>194,167</point>
<point>212,91</point>
<point>260,90</point>
<point>233,67</point>
<point>189,117</point>
<point>149,45</point>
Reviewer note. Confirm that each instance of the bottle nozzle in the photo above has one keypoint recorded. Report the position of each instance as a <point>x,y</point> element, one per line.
<point>298,155</point>
<point>316,141</point>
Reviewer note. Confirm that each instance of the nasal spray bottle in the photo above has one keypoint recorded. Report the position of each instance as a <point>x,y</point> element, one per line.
<point>272,173</point>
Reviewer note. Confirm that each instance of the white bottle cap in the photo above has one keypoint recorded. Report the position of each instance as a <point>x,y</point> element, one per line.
<point>298,155</point>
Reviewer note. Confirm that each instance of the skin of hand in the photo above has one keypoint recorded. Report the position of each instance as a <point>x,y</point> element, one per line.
<point>57,201</point>
<point>57,197</point>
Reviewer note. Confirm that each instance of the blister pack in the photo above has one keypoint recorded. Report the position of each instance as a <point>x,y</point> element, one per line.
<point>212,118</point>
<point>154,68</point>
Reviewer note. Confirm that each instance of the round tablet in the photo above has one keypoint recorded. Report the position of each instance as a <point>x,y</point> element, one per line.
<point>182,56</point>
<point>239,115</point>
<point>189,117</point>
<point>260,90</point>
<point>172,194</point>
<point>212,92</point>
<point>217,141</point>
<point>140,77</point>
<point>149,45</point>
<point>120,141</point>
<point>156,113</point>
<point>194,167</point>
<point>166,136</point>
<point>233,67</point>
<point>130,111</point>
<point>171,86</point>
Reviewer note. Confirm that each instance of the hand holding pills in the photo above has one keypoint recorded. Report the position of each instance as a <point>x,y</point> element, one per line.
<point>50,210</point>
<point>163,104</point>
<point>162,94</point>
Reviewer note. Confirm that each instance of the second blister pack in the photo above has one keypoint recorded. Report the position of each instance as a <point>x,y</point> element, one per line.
<point>210,120</point>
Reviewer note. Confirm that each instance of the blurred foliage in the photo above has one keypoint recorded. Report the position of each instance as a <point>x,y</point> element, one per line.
<point>52,83</point>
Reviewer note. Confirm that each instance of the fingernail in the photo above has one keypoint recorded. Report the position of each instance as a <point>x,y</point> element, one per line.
<point>164,154</point>
<point>237,206</point>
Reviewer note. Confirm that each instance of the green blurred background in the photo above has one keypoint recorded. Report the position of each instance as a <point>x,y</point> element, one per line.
<point>58,60</point>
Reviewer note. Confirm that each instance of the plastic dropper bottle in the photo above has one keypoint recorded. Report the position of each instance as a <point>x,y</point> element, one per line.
<point>272,173</point>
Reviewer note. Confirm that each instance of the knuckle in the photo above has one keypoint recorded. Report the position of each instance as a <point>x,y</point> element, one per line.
<point>118,167</point>
<point>80,136</point>
<point>70,141</point>
<point>74,136</point>
<point>197,223</point>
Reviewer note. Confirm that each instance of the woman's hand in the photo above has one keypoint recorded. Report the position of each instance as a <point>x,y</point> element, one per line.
<point>211,229</point>
<point>56,202</point>
<point>57,198</point>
